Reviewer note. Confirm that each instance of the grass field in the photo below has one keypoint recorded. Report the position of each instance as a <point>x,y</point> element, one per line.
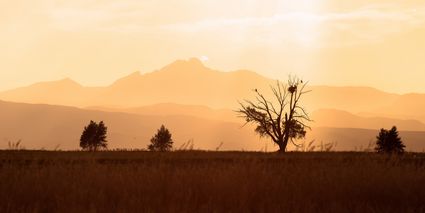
<point>47,181</point>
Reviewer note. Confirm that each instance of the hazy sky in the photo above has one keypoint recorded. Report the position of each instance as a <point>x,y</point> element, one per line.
<point>377,43</point>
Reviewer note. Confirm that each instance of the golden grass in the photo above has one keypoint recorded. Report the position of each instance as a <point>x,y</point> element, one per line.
<point>192,181</point>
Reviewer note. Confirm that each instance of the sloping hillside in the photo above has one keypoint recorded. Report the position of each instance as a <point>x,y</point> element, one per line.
<point>343,119</point>
<point>47,126</point>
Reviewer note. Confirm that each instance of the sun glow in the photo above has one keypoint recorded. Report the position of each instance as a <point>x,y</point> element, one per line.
<point>304,14</point>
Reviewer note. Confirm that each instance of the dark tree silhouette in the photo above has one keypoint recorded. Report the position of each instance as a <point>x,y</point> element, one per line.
<point>94,136</point>
<point>388,141</point>
<point>161,141</point>
<point>282,120</point>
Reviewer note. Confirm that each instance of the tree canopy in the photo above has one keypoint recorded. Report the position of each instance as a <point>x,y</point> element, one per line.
<point>161,141</point>
<point>388,141</point>
<point>94,136</point>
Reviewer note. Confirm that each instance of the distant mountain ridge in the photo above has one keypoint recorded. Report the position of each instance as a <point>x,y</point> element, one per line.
<point>172,109</point>
<point>321,118</point>
<point>343,119</point>
<point>198,103</point>
<point>186,82</point>
<point>189,82</point>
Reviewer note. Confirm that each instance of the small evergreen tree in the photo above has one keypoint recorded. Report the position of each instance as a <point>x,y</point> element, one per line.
<point>161,141</point>
<point>94,136</point>
<point>388,141</point>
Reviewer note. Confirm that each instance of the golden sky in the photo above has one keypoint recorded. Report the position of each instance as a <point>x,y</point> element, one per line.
<point>353,42</point>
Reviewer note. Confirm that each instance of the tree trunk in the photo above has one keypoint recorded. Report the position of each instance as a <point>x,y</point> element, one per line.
<point>282,144</point>
<point>282,147</point>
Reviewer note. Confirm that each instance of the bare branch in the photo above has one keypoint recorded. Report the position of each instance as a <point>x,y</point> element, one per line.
<point>278,121</point>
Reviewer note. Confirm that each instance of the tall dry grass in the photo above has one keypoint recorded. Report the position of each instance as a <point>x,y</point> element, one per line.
<point>193,181</point>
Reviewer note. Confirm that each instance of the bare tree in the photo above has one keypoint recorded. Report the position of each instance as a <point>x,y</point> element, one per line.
<point>282,120</point>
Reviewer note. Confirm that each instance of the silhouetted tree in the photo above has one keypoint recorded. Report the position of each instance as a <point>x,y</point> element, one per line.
<point>282,122</point>
<point>388,141</point>
<point>161,141</point>
<point>94,136</point>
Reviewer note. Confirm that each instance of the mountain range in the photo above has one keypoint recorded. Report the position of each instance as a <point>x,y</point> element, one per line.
<point>189,82</point>
<point>197,103</point>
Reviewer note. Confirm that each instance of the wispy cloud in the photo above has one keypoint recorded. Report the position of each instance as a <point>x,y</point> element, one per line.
<point>314,29</point>
<point>362,25</point>
<point>110,17</point>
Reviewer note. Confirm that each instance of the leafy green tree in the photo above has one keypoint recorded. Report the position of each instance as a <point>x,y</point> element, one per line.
<point>161,141</point>
<point>94,136</point>
<point>388,141</point>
